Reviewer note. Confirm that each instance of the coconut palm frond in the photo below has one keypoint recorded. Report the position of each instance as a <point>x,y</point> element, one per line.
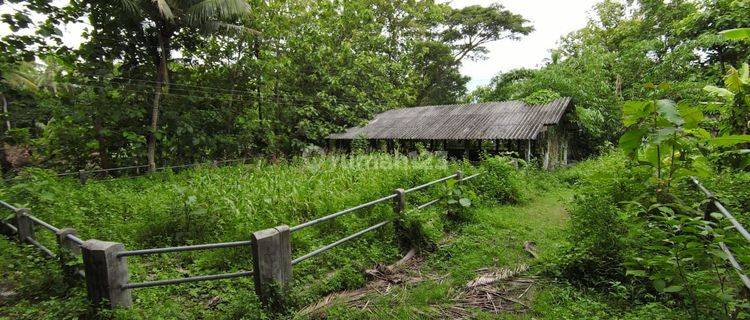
<point>219,9</point>
<point>20,79</point>
<point>213,26</point>
<point>164,9</point>
<point>130,6</point>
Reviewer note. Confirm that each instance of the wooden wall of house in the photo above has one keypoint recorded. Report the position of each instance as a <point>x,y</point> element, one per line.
<point>555,145</point>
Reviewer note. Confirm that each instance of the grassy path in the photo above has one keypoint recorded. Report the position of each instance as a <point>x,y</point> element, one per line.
<point>437,286</point>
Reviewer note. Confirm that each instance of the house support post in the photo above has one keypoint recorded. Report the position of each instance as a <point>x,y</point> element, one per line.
<point>528,150</point>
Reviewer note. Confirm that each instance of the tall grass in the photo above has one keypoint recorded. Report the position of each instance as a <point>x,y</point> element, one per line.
<point>207,204</point>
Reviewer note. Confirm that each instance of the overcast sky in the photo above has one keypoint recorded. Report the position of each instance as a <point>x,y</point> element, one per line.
<point>550,18</point>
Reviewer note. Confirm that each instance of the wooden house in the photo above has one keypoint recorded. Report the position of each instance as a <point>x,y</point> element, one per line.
<point>531,131</point>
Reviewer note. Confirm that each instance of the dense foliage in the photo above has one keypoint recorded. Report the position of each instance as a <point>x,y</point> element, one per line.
<point>207,205</point>
<point>180,81</point>
<point>626,45</point>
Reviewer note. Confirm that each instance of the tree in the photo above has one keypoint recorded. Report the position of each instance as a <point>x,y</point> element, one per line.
<point>161,20</point>
<point>468,29</point>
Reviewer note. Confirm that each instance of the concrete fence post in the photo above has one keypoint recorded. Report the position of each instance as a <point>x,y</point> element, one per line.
<point>82,176</point>
<point>69,250</point>
<point>459,176</point>
<point>24,224</point>
<point>399,203</point>
<point>272,262</point>
<point>105,274</point>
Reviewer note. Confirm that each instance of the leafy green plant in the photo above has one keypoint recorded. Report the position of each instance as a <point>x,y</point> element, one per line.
<point>663,135</point>
<point>499,181</point>
<point>457,201</point>
<point>734,117</point>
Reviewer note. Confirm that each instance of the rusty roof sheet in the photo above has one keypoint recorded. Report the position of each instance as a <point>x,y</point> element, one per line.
<point>510,120</point>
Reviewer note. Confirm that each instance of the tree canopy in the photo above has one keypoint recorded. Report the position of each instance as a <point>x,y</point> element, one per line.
<point>180,81</point>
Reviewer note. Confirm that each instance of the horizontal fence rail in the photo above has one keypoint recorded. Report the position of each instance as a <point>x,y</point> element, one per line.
<point>735,264</point>
<point>105,263</point>
<point>167,282</point>
<point>398,208</point>
<point>8,206</point>
<point>341,213</point>
<point>210,246</point>
<point>417,188</point>
<point>737,226</point>
<point>41,247</point>
<point>42,223</point>
<point>338,242</point>
<point>427,204</point>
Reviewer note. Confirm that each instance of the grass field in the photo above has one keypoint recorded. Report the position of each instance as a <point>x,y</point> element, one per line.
<point>208,205</point>
<point>480,267</point>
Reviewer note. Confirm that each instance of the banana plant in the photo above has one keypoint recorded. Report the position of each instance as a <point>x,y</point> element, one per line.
<point>735,97</point>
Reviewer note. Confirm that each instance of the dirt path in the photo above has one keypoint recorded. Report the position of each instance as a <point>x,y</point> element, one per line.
<point>479,270</point>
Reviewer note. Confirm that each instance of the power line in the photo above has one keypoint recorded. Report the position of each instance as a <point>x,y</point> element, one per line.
<point>239,98</point>
<point>212,90</point>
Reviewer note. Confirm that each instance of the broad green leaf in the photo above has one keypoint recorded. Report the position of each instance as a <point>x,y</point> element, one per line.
<point>668,110</point>
<point>632,139</point>
<point>736,34</point>
<point>691,115</point>
<point>701,166</point>
<point>729,140</point>
<point>699,133</point>
<point>725,94</point>
<point>659,285</point>
<point>672,289</point>
<point>662,135</point>
<point>664,86</point>
<point>634,111</point>
<point>652,155</point>
<point>635,273</point>
<point>732,80</point>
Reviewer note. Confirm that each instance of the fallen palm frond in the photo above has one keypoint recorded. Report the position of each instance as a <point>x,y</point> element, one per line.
<point>495,276</point>
<point>493,290</point>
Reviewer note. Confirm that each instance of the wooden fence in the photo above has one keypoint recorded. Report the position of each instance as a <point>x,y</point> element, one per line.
<point>105,267</point>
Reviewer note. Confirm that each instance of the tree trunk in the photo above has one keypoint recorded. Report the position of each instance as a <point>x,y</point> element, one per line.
<point>162,80</point>
<point>98,128</point>
<point>5,112</point>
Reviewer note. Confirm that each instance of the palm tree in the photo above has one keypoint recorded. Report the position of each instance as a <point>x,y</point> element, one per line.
<point>169,17</point>
<point>33,78</point>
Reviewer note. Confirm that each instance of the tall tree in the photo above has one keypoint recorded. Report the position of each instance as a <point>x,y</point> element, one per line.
<point>468,29</point>
<point>160,21</point>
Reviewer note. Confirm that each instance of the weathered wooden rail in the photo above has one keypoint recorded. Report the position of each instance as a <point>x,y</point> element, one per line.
<point>105,267</point>
<point>715,205</point>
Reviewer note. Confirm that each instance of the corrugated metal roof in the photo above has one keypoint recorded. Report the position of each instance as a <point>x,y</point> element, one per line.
<point>491,120</point>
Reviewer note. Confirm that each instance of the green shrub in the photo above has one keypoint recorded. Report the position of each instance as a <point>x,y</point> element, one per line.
<point>598,225</point>
<point>541,97</point>
<point>422,229</point>
<point>499,182</point>
<point>206,205</point>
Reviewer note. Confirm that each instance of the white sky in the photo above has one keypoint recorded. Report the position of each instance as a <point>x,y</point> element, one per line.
<point>551,19</point>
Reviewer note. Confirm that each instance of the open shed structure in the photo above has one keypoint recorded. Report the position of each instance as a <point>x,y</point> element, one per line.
<point>532,131</point>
